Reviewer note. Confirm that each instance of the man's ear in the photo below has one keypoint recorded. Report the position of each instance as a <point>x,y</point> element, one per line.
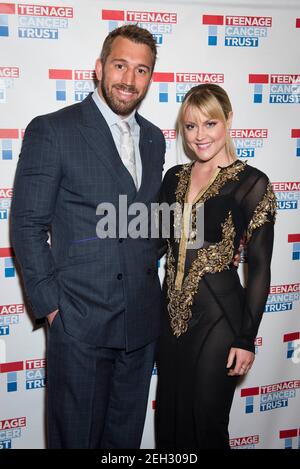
<point>98,69</point>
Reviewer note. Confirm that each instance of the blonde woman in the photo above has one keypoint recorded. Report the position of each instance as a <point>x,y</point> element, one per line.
<point>210,320</point>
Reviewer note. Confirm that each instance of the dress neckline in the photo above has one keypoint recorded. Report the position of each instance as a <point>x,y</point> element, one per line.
<point>232,164</point>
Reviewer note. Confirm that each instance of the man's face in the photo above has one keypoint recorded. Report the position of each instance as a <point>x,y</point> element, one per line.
<point>125,77</point>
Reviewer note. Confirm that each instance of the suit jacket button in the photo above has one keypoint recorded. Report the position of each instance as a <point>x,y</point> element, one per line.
<point>149,271</point>
<point>119,276</point>
<point>121,240</point>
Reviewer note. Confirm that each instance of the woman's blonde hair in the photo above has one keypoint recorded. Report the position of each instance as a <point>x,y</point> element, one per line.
<point>213,101</point>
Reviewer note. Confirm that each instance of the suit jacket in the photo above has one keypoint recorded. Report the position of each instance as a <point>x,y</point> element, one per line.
<point>107,290</point>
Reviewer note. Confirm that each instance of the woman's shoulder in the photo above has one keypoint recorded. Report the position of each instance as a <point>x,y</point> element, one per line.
<point>255,173</point>
<point>175,171</point>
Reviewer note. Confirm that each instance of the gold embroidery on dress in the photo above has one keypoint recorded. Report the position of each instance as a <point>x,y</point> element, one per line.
<point>213,259</point>
<point>218,180</point>
<point>267,206</point>
<point>188,220</point>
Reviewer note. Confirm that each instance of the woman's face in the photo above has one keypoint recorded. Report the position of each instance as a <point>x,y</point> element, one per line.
<point>206,137</point>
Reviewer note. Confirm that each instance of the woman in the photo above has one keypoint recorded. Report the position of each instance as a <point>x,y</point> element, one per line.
<point>210,322</point>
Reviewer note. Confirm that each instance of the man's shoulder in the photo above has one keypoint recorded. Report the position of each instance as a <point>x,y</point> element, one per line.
<point>66,115</point>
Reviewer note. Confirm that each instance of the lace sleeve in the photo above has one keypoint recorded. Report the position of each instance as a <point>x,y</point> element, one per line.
<point>259,207</point>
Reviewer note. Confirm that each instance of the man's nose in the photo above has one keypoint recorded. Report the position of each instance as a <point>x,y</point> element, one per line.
<point>128,77</point>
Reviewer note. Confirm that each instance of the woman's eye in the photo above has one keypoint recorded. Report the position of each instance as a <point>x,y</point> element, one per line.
<point>189,126</point>
<point>211,124</point>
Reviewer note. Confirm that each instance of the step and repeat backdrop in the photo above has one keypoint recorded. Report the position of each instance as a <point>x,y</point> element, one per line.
<point>47,55</point>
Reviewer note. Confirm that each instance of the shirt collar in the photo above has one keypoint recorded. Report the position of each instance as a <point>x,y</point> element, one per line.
<point>111,117</point>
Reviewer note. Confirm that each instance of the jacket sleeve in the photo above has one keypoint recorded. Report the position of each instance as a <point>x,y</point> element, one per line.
<point>163,230</point>
<point>33,205</point>
<point>259,207</point>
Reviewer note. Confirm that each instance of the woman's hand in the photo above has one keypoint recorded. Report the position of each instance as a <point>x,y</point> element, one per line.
<point>242,361</point>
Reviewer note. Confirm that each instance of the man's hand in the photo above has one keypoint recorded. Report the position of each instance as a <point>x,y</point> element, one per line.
<point>237,257</point>
<point>51,316</point>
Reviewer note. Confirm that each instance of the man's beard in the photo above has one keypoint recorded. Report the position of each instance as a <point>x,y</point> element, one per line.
<point>119,107</point>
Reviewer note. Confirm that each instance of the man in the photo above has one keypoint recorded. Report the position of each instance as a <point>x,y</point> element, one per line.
<point>102,297</point>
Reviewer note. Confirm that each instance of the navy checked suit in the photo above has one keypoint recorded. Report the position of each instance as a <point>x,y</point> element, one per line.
<point>107,290</point>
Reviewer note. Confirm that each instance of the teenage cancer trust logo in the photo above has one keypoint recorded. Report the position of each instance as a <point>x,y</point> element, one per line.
<point>290,437</point>
<point>295,133</point>
<point>237,31</point>
<point>184,81</point>
<point>10,429</point>
<point>9,144</point>
<point>270,397</point>
<point>170,136</point>
<point>281,88</point>
<point>5,202</point>
<point>293,346</point>
<point>158,23</point>
<point>10,316</point>
<point>34,21</point>
<point>282,298</point>
<point>7,76</point>
<point>247,141</point>
<point>7,267</point>
<point>34,376</point>
<point>82,83</point>
<point>294,239</point>
<point>244,442</point>
<point>287,195</point>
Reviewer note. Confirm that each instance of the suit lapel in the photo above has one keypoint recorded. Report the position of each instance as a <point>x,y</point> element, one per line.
<point>145,152</point>
<point>98,136</point>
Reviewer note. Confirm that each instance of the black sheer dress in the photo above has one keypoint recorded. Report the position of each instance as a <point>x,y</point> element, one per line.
<point>207,311</point>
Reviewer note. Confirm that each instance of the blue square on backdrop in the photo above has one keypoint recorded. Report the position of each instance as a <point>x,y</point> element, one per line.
<point>288,443</point>
<point>212,30</point>
<point>9,272</point>
<point>258,88</point>
<point>6,154</point>
<point>6,144</point>
<point>12,377</point>
<point>60,95</point>
<point>61,85</point>
<point>212,40</point>
<point>163,97</point>
<point>257,98</point>
<point>9,262</point>
<point>3,20</point>
<point>4,31</point>
<point>112,25</point>
<point>11,387</point>
<point>163,87</point>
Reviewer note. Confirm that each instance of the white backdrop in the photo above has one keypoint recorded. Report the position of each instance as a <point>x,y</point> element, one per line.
<point>47,55</point>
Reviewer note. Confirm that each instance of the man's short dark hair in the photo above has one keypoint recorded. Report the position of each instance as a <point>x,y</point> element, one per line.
<point>135,34</point>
